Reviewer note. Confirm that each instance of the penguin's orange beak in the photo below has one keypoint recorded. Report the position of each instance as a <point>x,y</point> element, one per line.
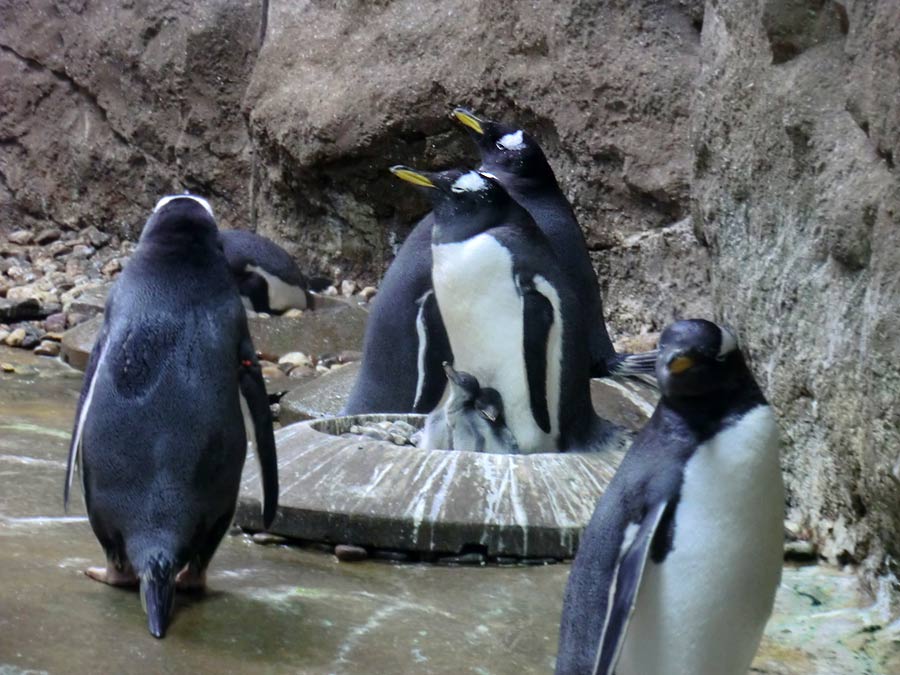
<point>680,364</point>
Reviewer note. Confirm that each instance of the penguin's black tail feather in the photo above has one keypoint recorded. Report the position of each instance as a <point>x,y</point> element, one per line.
<point>158,593</point>
<point>631,365</point>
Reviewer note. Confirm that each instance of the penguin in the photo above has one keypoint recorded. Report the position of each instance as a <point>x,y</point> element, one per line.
<point>517,161</point>
<point>172,392</point>
<point>511,317</point>
<point>470,419</point>
<point>405,341</point>
<point>268,278</point>
<point>677,570</point>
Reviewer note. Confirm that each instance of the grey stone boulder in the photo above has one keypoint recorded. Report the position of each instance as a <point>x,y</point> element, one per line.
<point>376,494</point>
<point>323,396</point>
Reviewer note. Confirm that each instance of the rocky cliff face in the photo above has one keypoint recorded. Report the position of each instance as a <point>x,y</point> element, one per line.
<point>795,131</point>
<point>735,159</point>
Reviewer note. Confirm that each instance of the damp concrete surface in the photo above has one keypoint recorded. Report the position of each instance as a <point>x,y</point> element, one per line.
<point>285,609</point>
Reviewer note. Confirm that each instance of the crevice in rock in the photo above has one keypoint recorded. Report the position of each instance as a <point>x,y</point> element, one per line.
<point>263,21</point>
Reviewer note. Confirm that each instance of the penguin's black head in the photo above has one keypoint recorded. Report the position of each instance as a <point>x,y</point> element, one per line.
<point>180,222</point>
<point>490,406</point>
<point>465,202</point>
<point>464,385</point>
<point>506,151</point>
<point>698,358</point>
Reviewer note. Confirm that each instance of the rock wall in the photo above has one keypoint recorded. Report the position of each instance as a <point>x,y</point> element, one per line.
<point>795,131</point>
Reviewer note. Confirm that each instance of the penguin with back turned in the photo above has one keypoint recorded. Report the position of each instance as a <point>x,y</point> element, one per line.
<point>171,393</point>
<point>267,276</point>
<point>677,571</point>
<point>512,319</point>
<point>470,419</point>
<point>517,161</point>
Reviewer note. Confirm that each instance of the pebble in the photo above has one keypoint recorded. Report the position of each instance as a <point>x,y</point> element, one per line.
<point>350,553</point>
<point>268,539</point>
<point>47,236</point>
<point>55,323</point>
<point>7,367</point>
<point>302,372</point>
<point>96,238</point>
<point>348,288</point>
<point>16,338</point>
<point>21,237</point>
<point>47,348</point>
<point>295,359</point>
<point>3,335</point>
<point>114,266</point>
<point>331,290</point>
<point>368,293</point>
<point>293,313</point>
<point>398,432</point>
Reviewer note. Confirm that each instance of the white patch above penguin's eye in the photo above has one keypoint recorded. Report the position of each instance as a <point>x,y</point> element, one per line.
<point>729,343</point>
<point>513,141</point>
<point>469,182</point>
<point>202,202</point>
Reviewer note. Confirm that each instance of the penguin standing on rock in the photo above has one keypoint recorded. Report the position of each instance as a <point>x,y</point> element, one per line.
<point>470,419</point>
<point>267,277</point>
<point>677,571</point>
<point>518,163</point>
<point>172,392</point>
<point>512,319</point>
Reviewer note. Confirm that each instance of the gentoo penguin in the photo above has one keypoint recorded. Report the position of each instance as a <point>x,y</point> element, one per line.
<point>511,317</point>
<point>405,341</point>
<point>677,571</point>
<point>516,160</point>
<point>171,393</point>
<point>470,419</point>
<point>268,278</point>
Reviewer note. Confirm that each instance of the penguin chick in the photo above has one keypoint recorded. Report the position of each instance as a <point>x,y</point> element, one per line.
<point>171,393</point>
<point>677,571</point>
<point>471,419</point>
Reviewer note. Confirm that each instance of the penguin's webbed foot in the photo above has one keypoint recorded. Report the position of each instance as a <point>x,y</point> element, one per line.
<point>113,576</point>
<point>191,580</point>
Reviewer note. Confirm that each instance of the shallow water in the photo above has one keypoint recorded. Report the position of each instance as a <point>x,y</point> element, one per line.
<point>277,609</point>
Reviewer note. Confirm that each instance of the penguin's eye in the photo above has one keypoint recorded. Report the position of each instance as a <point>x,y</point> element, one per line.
<point>500,145</point>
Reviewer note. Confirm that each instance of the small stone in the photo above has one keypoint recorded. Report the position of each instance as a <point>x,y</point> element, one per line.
<point>376,434</point>
<point>59,248</point>
<point>268,539</point>
<point>331,290</point>
<point>21,237</point>
<point>7,367</point>
<point>272,372</point>
<point>47,348</point>
<point>302,372</point>
<point>263,315</point>
<point>82,251</point>
<point>399,439</point>
<point>368,293</point>
<point>295,359</point>
<point>75,318</point>
<point>3,335</point>
<point>321,369</point>
<point>800,550</point>
<point>47,236</point>
<point>114,266</point>
<point>55,323</point>
<point>293,313</point>
<point>16,338</point>
<point>348,288</point>
<point>96,238</point>
<point>350,553</point>
<point>31,340</point>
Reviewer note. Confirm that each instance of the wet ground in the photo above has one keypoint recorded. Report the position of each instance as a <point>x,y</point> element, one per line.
<point>278,609</point>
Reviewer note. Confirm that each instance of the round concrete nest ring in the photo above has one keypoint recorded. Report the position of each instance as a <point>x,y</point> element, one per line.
<point>355,490</point>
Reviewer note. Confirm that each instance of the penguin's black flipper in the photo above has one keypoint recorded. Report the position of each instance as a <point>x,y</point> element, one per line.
<point>81,412</point>
<point>624,588</point>
<point>629,365</point>
<point>434,350</point>
<point>536,322</point>
<point>255,402</point>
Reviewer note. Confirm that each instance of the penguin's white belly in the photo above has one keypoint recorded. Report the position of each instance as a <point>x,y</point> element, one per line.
<point>282,296</point>
<point>482,310</point>
<point>703,610</point>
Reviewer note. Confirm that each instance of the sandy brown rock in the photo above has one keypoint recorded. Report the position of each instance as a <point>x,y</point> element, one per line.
<point>796,193</point>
